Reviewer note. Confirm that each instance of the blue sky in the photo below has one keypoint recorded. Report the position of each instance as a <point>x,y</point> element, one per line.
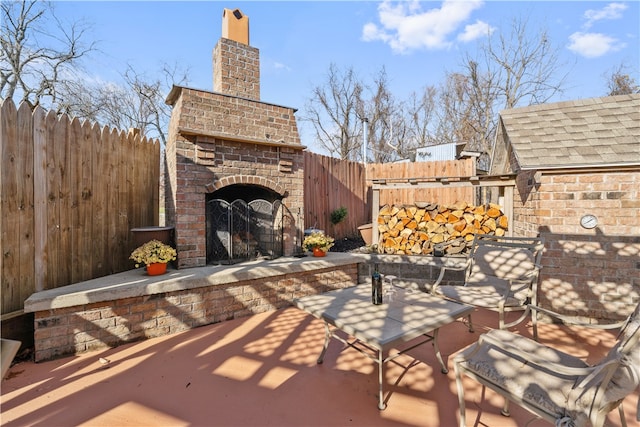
<point>417,42</point>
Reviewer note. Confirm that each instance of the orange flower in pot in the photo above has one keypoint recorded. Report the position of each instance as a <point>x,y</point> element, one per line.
<point>154,255</point>
<point>318,242</point>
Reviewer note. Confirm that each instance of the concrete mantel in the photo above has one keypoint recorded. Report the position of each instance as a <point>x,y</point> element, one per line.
<point>185,131</point>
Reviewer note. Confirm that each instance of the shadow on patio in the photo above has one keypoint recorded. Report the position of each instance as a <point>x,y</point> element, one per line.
<point>262,371</point>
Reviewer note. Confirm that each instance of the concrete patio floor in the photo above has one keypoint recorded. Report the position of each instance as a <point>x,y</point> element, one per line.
<point>262,371</point>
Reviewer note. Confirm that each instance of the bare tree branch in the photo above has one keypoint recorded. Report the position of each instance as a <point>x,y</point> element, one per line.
<point>514,68</point>
<point>333,110</point>
<point>620,82</point>
<point>33,62</point>
<point>137,103</point>
<point>525,67</point>
<point>381,109</point>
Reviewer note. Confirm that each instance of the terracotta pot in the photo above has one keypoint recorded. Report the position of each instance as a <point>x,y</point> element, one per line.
<point>156,269</point>
<point>318,252</point>
<point>366,233</point>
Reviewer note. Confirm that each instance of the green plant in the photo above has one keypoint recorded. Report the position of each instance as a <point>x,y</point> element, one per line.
<point>318,240</point>
<point>338,215</point>
<point>154,251</point>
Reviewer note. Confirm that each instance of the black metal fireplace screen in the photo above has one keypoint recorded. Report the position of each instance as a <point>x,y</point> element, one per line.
<point>240,231</point>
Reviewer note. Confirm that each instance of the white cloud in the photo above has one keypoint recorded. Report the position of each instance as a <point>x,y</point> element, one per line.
<point>610,11</point>
<point>371,32</point>
<point>593,45</point>
<point>281,66</point>
<point>405,26</point>
<point>475,31</point>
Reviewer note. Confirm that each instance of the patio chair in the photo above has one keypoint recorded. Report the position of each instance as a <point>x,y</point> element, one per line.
<point>553,385</point>
<point>501,274</point>
<point>8,350</point>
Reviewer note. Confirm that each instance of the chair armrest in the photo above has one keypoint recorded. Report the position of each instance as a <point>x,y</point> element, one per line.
<point>531,274</point>
<point>445,267</point>
<point>571,321</point>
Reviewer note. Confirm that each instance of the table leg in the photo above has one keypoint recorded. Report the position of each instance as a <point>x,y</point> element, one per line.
<point>381,405</point>
<point>327,337</point>
<point>444,369</point>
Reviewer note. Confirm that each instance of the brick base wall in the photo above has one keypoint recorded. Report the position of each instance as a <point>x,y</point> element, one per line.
<point>78,329</point>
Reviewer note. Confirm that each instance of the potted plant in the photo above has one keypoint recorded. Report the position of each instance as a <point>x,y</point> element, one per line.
<point>318,242</point>
<point>338,215</point>
<point>154,255</point>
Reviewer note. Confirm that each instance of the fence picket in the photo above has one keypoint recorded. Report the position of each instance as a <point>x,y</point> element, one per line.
<point>109,141</point>
<point>9,210</point>
<point>39,130</point>
<point>24,198</point>
<point>135,174</point>
<point>99,186</point>
<point>123,190</point>
<point>53,191</point>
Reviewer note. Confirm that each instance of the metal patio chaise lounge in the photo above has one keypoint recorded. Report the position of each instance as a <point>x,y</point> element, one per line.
<point>551,384</point>
<point>501,274</point>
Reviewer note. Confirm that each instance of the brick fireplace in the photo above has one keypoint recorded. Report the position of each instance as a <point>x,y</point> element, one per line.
<point>227,149</point>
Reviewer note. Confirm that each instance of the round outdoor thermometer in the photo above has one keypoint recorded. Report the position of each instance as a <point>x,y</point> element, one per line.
<point>589,221</point>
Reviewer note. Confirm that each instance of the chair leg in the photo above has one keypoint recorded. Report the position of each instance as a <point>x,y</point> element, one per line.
<point>470,325</point>
<point>505,408</point>
<point>623,419</point>
<point>460,394</point>
<point>534,323</point>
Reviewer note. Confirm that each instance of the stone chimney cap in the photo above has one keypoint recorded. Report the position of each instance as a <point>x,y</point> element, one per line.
<point>235,26</point>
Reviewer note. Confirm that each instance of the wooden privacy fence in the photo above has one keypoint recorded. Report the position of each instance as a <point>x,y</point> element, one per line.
<point>329,185</point>
<point>332,183</point>
<point>70,191</point>
<point>419,171</point>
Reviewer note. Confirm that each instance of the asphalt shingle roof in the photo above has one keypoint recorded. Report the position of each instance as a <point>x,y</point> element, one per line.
<point>582,133</point>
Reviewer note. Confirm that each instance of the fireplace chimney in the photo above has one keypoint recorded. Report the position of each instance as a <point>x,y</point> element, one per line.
<point>235,26</point>
<point>236,65</point>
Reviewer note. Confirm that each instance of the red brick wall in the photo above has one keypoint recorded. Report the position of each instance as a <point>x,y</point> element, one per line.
<point>591,273</point>
<point>96,326</point>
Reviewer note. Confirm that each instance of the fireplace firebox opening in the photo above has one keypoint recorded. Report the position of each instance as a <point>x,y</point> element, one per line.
<point>244,222</point>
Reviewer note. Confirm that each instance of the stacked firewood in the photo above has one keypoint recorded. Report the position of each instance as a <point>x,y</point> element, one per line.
<point>427,228</point>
